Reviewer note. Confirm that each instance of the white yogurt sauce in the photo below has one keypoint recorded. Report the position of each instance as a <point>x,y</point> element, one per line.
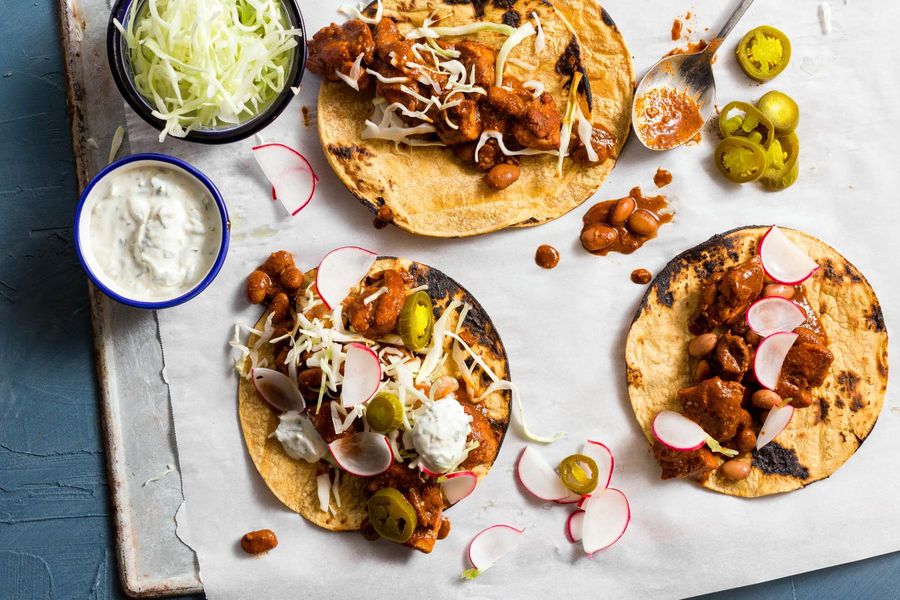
<point>299,438</point>
<point>154,232</point>
<point>439,435</point>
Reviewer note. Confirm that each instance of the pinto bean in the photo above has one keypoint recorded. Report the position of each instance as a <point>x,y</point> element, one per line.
<point>291,279</point>
<point>643,222</point>
<point>622,211</point>
<point>278,262</point>
<point>702,345</point>
<point>280,305</point>
<point>502,176</point>
<point>258,284</point>
<point>778,290</point>
<point>598,237</point>
<point>735,469</point>
<point>765,399</point>
<point>702,371</point>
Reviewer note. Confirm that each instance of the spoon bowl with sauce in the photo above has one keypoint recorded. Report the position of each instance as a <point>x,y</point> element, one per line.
<point>151,231</point>
<point>677,95</point>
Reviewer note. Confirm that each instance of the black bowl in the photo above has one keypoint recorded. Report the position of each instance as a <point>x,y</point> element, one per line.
<point>119,63</point>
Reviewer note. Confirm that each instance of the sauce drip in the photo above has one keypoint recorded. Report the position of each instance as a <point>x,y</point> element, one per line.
<point>667,117</point>
<point>624,225</point>
<point>546,256</point>
<point>641,276</point>
<point>662,177</point>
<point>383,217</point>
<point>257,542</point>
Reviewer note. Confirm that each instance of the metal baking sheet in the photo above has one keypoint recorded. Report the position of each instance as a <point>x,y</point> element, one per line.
<point>136,415</point>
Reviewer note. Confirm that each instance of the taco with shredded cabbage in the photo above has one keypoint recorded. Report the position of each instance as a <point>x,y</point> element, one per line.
<point>757,362</point>
<point>375,405</point>
<point>460,118</point>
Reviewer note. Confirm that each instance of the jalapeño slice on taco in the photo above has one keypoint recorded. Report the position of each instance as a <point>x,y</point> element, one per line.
<point>460,118</point>
<point>366,385</point>
<point>757,362</point>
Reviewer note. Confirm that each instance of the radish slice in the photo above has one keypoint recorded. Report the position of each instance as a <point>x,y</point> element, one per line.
<point>572,498</point>
<point>488,546</point>
<point>774,315</point>
<point>362,375</point>
<point>782,260</point>
<point>770,357</point>
<point>364,454</point>
<point>583,501</point>
<point>574,526</point>
<point>457,486</point>
<point>538,477</point>
<point>677,432</point>
<point>341,270</point>
<point>292,177</point>
<point>606,517</point>
<point>277,389</point>
<point>775,422</point>
<point>603,456</point>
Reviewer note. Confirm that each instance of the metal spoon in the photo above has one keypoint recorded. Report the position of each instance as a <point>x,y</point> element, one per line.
<point>691,73</point>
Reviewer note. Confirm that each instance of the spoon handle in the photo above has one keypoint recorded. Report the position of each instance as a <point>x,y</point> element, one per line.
<point>732,20</point>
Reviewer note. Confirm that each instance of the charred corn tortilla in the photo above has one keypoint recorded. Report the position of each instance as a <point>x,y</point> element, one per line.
<point>294,481</point>
<point>429,190</point>
<point>820,438</point>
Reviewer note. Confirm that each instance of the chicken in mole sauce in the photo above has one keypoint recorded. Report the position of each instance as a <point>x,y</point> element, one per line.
<point>727,400</point>
<point>525,119</point>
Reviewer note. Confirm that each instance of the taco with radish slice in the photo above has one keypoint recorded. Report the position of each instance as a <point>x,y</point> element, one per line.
<point>757,362</point>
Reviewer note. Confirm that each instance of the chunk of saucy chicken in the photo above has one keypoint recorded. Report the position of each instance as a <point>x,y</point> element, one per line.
<point>276,284</point>
<point>727,400</point>
<point>524,119</point>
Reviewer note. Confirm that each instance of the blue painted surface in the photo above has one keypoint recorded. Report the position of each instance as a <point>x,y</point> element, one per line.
<point>56,539</point>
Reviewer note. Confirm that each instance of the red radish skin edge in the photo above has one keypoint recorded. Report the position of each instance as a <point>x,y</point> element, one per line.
<point>756,370</point>
<point>482,532</point>
<point>624,529</point>
<point>776,280</point>
<point>380,373</point>
<point>323,260</point>
<point>300,409</point>
<point>338,461</point>
<point>560,500</point>
<point>572,498</point>
<point>612,460</point>
<point>575,520</point>
<point>473,483</point>
<point>779,300</point>
<point>669,446</point>
<point>790,417</point>
<point>315,177</point>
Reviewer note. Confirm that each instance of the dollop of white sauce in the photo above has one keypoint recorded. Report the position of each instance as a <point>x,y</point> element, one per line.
<point>299,438</point>
<point>439,435</point>
<point>154,232</point>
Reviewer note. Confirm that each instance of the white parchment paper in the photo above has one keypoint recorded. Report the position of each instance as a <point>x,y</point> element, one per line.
<point>564,331</point>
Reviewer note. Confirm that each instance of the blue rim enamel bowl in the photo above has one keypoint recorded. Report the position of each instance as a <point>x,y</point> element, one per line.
<point>123,75</point>
<point>82,230</point>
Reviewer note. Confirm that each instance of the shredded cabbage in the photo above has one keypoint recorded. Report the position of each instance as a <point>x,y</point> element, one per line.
<point>565,134</point>
<point>539,42</point>
<point>585,131</point>
<point>206,64</point>
<point>520,34</point>
<point>499,137</point>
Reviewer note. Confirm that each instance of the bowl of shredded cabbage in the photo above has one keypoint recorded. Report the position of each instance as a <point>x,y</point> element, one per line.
<point>209,71</point>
